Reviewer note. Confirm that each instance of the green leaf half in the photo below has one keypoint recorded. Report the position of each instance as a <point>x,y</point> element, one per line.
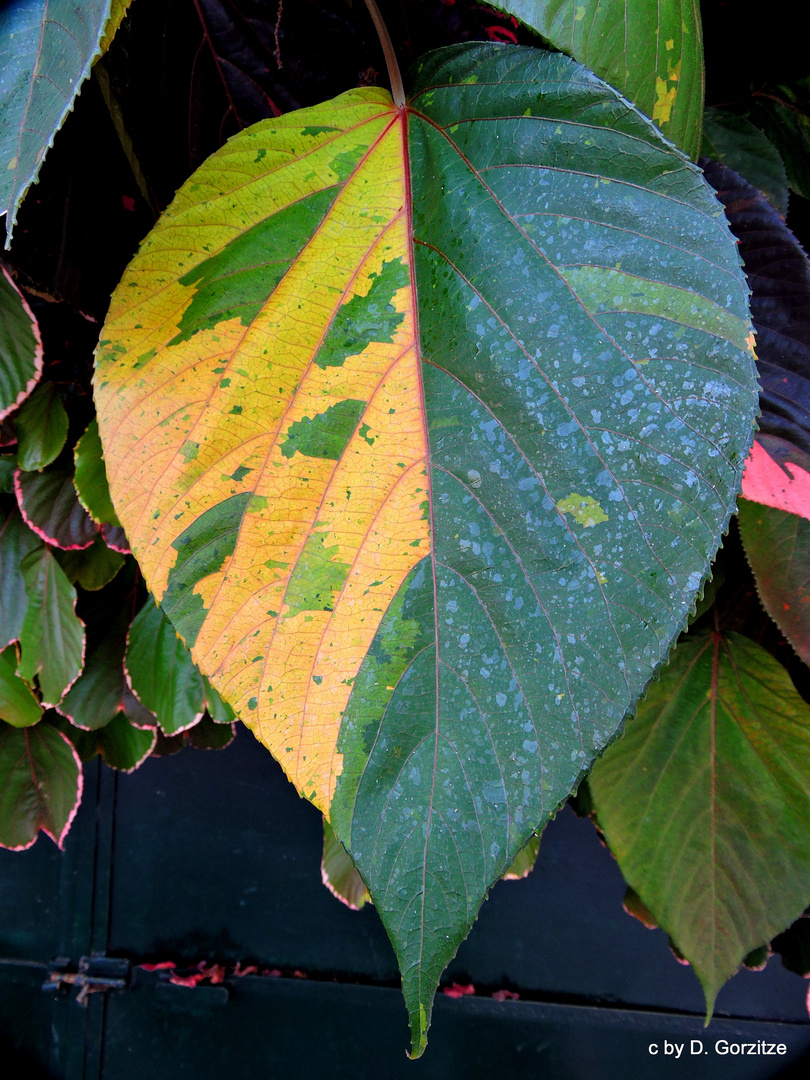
<point>40,785</point>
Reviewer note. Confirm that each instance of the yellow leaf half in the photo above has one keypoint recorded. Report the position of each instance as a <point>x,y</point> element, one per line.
<point>283,473</point>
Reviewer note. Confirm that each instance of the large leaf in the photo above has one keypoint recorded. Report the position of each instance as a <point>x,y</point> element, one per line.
<point>16,540</point>
<point>40,785</point>
<point>20,346</point>
<point>433,574</point>
<point>653,53</point>
<point>46,50</point>
<point>778,548</point>
<point>52,635</point>
<point>720,868</point>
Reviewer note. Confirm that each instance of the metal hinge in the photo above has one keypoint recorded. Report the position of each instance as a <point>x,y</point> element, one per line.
<point>93,974</point>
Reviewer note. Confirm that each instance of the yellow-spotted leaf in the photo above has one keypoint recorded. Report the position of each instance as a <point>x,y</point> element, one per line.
<point>424,424</point>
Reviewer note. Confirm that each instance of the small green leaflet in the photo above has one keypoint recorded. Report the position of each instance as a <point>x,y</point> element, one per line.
<point>90,477</point>
<point>161,672</point>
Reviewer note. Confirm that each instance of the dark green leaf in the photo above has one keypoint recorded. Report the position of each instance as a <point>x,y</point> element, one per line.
<point>778,548</point>
<point>783,112</point>
<point>98,693</point>
<point>743,147</point>
<point>653,53</point>
<point>20,345</point>
<point>92,567</point>
<point>120,744</point>
<point>40,785</point>
<point>16,540</point>
<point>210,735</point>
<point>46,50</point>
<point>90,477</point>
<point>42,427</point>
<point>18,704</point>
<point>162,673</point>
<point>634,906</point>
<point>52,637</point>
<point>339,874</point>
<point>8,466</point>
<point>705,802</point>
<point>50,506</point>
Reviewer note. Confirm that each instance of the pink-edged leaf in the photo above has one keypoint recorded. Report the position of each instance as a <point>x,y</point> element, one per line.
<point>50,506</point>
<point>52,636</point>
<point>776,480</point>
<point>116,539</point>
<point>20,346</point>
<point>16,541</point>
<point>137,713</point>
<point>40,785</point>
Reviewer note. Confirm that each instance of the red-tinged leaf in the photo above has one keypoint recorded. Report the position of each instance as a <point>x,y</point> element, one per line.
<point>635,906</point>
<point>136,713</point>
<point>20,346</point>
<point>164,965</point>
<point>52,635</point>
<point>457,990</point>
<point>115,538</point>
<point>16,541</point>
<point>40,785</point>
<point>50,506</point>
<point>777,545</point>
<point>778,275</point>
<point>506,995</point>
<point>42,427</point>
<point>776,481</point>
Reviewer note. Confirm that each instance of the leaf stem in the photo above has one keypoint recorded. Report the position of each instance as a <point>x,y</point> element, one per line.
<point>394,76</point>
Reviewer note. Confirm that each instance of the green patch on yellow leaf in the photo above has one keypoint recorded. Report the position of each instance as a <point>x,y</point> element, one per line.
<point>325,435</point>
